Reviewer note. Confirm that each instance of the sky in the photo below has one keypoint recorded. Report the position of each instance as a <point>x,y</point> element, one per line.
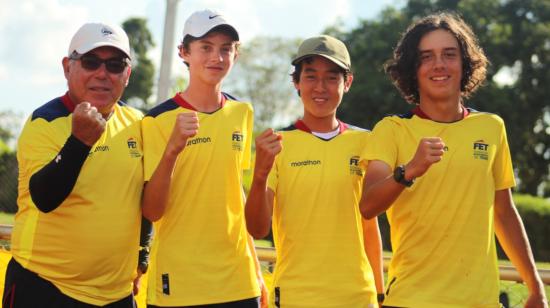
<point>36,33</point>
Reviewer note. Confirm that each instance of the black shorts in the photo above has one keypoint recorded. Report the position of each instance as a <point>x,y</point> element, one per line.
<point>245,303</point>
<point>24,289</point>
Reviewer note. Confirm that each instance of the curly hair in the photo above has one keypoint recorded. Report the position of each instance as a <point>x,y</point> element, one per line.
<point>402,68</point>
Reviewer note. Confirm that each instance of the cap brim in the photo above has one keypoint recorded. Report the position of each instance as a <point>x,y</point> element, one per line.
<point>336,61</point>
<point>230,28</point>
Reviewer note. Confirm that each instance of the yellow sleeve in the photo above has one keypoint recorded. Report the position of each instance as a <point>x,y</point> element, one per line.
<point>154,143</point>
<point>39,143</point>
<point>503,172</point>
<point>248,138</point>
<point>382,143</point>
<point>273,178</point>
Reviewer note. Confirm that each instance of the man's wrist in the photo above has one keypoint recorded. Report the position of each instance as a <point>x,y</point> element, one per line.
<point>399,175</point>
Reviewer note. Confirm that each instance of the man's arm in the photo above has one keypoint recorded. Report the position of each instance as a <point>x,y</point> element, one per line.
<point>51,185</point>
<point>157,189</point>
<point>380,190</point>
<point>373,248</point>
<point>513,239</point>
<point>259,204</point>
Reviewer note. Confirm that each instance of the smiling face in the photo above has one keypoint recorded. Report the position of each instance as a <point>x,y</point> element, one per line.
<point>99,87</point>
<point>440,67</point>
<point>321,86</point>
<point>210,58</point>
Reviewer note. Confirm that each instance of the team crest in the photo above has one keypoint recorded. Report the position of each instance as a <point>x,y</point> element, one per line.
<point>481,150</point>
<point>133,147</point>
<point>354,168</point>
<point>237,140</point>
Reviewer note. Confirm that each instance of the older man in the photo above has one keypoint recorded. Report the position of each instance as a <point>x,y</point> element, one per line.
<point>76,234</point>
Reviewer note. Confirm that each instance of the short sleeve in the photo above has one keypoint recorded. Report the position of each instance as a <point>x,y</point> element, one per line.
<point>154,143</point>
<point>382,144</point>
<point>248,141</point>
<point>503,172</point>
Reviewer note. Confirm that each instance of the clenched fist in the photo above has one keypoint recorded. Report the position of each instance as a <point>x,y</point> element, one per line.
<point>430,151</point>
<point>88,124</point>
<point>268,145</point>
<point>187,125</point>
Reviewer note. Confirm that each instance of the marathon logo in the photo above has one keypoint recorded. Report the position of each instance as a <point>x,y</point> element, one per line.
<point>99,148</point>
<point>305,163</point>
<point>481,150</point>
<point>354,168</point>
<point>237,140</point>
<point>199,140</point>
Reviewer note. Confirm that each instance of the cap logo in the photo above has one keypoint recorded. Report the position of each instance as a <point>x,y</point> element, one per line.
<point>322,48</point>
<point>212,16</point>
<point>106,31</point>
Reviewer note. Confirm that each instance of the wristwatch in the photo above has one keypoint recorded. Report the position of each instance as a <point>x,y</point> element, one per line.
<point>399,176</point>
<point>380,297</point>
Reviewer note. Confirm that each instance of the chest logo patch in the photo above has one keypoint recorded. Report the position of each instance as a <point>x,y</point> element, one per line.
<point>354,168</point>
<point>133,147</point>
<point>481,150</point>
<point>237,140</point>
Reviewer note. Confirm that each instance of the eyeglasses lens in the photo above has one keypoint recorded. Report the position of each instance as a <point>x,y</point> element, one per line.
<point>113,65</point>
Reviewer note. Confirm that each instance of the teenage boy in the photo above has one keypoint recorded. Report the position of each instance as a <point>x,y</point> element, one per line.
<point>202,253</point>
<point>308,178</point>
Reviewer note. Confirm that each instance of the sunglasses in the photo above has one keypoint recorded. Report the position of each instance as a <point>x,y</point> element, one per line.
<point>91,62</point>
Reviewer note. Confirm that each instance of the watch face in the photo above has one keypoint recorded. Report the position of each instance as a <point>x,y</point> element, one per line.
<point>399,176</point>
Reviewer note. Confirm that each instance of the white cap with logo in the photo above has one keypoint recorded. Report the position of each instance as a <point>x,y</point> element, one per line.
<point>94,35</point>
<point>201,22</point>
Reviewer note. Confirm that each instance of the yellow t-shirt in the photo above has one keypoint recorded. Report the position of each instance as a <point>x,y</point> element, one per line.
<point>442,228</point>
<point>88,246</point>
<point>200,252</point>
<point>317,226</point>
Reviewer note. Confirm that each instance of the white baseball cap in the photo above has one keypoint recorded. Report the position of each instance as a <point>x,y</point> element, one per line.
<point>94,35</point>
<point>201,22</point>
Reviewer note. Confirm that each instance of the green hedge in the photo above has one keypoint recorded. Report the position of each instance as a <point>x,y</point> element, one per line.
<point>535,213</point>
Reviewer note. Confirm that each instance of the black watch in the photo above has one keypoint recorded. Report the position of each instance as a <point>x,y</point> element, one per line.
<point>399,176</point>
<point>380,297</point>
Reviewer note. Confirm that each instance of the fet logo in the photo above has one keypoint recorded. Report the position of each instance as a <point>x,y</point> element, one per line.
<point>132,144</point>
<point>237,136</point>
<point>480,145</point>
<point>237,141</point>
<point>354,168</point>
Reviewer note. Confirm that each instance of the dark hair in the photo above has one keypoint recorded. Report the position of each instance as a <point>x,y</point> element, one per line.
<point>402,68</point>
<point>223,29</point>
<point>298,69</point>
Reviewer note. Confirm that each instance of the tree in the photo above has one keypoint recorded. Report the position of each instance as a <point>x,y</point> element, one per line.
<point>8,179</point>
<point>515,35</point>
<point>10,123</point>
<point>141,83</point>
<point>262,76</point>
<point>9,128</point>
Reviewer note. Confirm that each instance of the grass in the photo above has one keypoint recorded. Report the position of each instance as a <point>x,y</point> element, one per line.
<point>6,218</point>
